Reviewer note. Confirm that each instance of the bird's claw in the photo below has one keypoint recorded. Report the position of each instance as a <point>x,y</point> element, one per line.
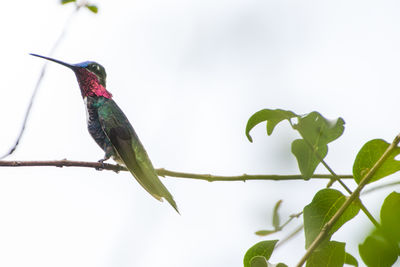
<point>102,165</point>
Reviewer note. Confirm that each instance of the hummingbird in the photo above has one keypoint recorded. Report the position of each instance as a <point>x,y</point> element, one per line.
<point>111,130</point>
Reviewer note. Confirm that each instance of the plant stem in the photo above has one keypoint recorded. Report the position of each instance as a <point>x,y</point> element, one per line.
<point>291,217</point>
<point>337,178</point>
<point>163,172</point>
<point>290,236</point>
<point>378,187</point>
<point>328,226</point>
<point>363,208</point>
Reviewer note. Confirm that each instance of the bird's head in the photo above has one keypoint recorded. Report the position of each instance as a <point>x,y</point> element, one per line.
<point>91,77</point>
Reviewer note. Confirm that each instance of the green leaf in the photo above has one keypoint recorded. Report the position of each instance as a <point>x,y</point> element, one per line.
<point>322,208</point>
<point>265,232</point>
<point>381,248</point>
<point>258,261</point>
<point>63,2</point>
<point>350,260</point>
<point>275,217</point>
<point>306,158</point>
<point>369,155</point>
<point>272,116</point>
<point>390,216</point>
<point>93,8</point>
<point>378,251</point>
<point>332,254</point>
<point>263,248</point>
<point>317,132</point>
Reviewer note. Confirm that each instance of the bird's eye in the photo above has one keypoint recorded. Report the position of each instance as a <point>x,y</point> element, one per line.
<point>95,68</point>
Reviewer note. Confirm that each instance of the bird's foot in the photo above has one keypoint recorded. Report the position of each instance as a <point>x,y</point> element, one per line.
<point>102,165</point>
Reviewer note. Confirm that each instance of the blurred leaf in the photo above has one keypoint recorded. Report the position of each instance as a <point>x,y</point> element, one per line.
<point>263,248</point>
<point>93,8</point>
<point>350,260</point>
<point>390,216</point>
<point>63,2</point>
<point>258,261</point>
<point>378,251</point>
<point>331,254</point>
<point>281,265</point>
<point>273,117</point>
<point>265,232</point>
<point>322,208</point>
<point>275,217</point>
<point>318,130</point>
<point>369,155</point>
<point>306,158</point>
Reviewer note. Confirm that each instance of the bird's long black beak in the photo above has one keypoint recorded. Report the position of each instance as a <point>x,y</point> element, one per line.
<point>73,67</point>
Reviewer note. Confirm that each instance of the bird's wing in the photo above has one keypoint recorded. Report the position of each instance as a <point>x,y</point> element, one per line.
<point>131,151</point>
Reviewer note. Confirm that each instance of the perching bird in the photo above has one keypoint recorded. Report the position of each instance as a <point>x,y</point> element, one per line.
<point>112,131</point>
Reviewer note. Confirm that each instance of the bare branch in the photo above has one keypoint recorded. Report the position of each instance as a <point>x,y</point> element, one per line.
<point>163,172</point>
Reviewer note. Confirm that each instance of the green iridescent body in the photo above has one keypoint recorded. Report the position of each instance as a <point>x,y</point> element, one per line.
<point>127,149</point>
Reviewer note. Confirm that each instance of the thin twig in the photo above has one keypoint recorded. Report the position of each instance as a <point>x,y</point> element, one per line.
<point>38,83</point>
<point>63,163</point>
<point>328,226</point>
<point>362,206</point>
<point>379,187</point>
<point>163,172</point>
<point>244,177</point>
<point>291,217</point>
<point>290,236</point>
<point>280,228</point>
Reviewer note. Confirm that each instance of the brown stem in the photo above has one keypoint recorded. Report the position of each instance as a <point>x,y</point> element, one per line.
<point>162,172</point>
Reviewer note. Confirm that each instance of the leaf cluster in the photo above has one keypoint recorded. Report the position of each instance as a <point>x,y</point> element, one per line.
<point>330,209</point>
<point>315,131</point>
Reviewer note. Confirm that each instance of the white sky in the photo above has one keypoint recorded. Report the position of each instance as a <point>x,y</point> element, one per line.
<point>188,74</point>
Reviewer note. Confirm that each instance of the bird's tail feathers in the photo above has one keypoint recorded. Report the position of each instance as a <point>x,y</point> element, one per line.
<point>154,186</point>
